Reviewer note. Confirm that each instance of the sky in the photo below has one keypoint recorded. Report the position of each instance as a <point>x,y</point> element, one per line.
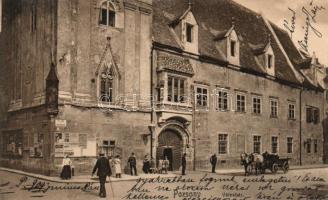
<point>281,13</point>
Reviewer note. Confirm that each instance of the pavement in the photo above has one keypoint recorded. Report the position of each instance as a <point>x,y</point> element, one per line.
<point>126,177</point>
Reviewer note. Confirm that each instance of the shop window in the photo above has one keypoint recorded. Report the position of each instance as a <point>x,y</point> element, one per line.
<point>13,142</point>
<point>107,14</point>
<point>38,145</point>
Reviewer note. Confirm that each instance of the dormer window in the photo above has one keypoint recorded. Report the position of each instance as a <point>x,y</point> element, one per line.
<point>233,48</point>
<point>270,61</point>
<point>107,14</point>
<point>189,33</point>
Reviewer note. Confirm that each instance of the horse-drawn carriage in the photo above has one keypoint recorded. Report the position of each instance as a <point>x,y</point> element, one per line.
<point>260,163</point>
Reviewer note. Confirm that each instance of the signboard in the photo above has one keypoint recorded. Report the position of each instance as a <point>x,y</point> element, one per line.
<point>60,123</point>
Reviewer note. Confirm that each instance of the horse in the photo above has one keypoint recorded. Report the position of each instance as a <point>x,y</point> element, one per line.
<point>252,162</point>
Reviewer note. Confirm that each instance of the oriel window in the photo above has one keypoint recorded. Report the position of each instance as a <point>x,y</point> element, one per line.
<point>107,14</point>
<point>176,89</point>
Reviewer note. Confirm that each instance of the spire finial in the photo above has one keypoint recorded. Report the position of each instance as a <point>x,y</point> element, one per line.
<point>269,38</point>
<point>232,21</point>
<point>189,3</point>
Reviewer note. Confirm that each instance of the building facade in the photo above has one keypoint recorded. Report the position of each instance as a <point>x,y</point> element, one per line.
<point>153,77</point>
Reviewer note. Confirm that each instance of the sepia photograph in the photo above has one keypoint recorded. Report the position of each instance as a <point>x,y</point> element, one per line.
<point>164,99</point>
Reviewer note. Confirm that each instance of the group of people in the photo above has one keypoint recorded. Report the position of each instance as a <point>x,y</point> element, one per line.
<point>104,165</point>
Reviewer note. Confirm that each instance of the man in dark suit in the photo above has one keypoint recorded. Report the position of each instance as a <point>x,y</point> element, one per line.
<point>103,170</point>
<point>133,164</point>
<point>184,164</point>
<point>213,161</point>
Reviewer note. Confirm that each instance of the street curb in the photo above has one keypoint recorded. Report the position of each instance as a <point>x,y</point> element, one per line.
<point>226,172</point>
<point>55,180</point>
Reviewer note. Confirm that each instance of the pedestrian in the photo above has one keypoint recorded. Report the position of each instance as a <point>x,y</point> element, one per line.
<point>133,164</point>
<point>103,170</point>
<point>166,164</point>
<point>117,165</point>
<point>184,164</point>
<point>66,172</point>
<point>213,161</point>
<point>146,165</point>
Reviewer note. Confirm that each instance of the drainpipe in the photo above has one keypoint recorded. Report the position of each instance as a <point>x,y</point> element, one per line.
<point>151,103</point>
<point>301,90</point>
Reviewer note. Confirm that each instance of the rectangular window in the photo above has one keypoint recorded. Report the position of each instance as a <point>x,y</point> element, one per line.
<point>270,61</point>
<point>315,145</point>
<point>189,34</point>
<point>308,145</point>
<point>256,105</point>
<point>66,137</point>
<point>312,115</point>
<point>222,100</point>
<point>201,97</point>
<point>241,103</point>
<point>291,111</point>
<point>274,144</point>
<point>257,144</point>
<point>316,115</point>
<point>223,143</point>
<point>176,89</point>
<point>308,115</point>
<point>289,145</point>
<point>233,48</point>
<point>273,108</point>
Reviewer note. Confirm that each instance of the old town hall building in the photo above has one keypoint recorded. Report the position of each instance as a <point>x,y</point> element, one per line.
<point>157,77</point>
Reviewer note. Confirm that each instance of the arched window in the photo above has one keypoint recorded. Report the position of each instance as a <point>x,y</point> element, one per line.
<point>107,84</point>
<point>107,14</point>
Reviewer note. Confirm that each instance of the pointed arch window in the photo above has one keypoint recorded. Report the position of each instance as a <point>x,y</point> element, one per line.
<point>107,14</point>
<point>107,78</point>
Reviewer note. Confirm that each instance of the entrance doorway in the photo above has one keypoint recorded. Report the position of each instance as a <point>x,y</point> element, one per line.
<point>170,145</point>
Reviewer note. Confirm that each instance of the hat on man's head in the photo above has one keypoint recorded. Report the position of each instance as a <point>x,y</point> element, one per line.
<point>101,154</point>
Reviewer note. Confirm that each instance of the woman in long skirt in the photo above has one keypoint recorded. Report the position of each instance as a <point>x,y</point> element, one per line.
<point>66,171</point>
<point>117,165</point>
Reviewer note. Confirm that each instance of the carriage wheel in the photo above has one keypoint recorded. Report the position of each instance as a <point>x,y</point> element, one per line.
<point>285,167</point>
<point>274,168</point>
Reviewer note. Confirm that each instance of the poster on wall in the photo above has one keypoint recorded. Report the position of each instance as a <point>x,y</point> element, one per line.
<point>164,99</point>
